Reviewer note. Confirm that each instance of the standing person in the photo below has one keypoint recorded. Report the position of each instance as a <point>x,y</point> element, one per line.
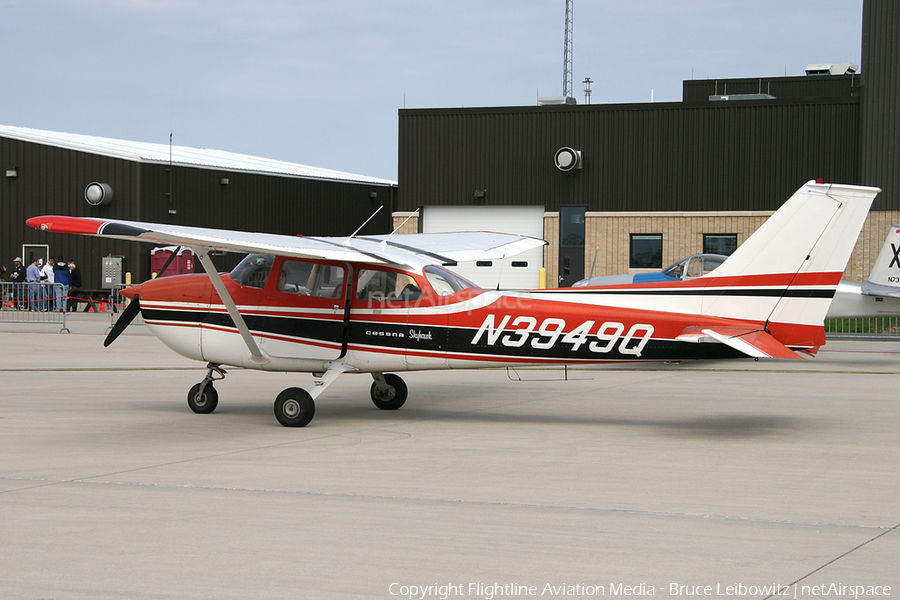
<point>62,278</point>
<point>5,288</point>
<point>48,292</point>
<point>33,283</point>
<point>17,276</point>
<point>74,284</point>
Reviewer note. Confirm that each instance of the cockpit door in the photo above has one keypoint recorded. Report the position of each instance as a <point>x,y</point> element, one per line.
<point>305,312</point>
<point>397,318</point>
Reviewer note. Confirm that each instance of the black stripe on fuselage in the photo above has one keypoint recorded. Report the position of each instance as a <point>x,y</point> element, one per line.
<point>446,341</point>
<point>316,329</point>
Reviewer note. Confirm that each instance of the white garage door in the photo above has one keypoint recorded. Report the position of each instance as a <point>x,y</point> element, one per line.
<point>517,272</point>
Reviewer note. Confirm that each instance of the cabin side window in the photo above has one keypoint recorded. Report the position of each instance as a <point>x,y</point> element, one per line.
<point>253,270</point>
<point>311,279</point>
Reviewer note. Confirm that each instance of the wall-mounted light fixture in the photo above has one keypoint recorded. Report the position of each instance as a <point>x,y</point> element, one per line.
<point>566,159</point>
<point>12,173</point>
<point>223,181</point>
<point>373,195</point>
<point>480,195</point>
<point>97,194</point>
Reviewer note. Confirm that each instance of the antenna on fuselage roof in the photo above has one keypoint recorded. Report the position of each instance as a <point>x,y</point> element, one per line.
<point>347,241</point>
<point>411,215</point>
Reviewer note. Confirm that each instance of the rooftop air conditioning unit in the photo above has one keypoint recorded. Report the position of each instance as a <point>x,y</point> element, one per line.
<point>832,69</point>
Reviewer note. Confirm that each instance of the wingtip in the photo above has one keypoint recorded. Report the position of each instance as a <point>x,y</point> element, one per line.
<point>62,224</point>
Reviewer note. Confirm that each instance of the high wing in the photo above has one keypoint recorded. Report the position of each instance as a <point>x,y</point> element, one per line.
<point>401,250</point>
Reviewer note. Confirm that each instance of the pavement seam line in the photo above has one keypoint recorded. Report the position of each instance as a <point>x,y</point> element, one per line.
<point>840,556</point>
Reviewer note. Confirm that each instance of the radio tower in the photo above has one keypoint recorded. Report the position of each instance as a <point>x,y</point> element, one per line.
<point>567,55</point>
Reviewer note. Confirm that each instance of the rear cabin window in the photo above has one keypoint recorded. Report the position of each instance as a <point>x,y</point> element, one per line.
<point>253,270</point>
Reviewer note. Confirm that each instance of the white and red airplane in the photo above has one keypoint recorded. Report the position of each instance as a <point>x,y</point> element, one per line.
<point>378,304</point>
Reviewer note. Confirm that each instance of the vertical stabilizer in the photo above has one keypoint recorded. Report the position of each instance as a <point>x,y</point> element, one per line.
<point>785,273</point>
<point>886,270</point>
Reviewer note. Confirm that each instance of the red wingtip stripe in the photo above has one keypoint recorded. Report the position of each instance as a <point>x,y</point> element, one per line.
<point>62,224</point>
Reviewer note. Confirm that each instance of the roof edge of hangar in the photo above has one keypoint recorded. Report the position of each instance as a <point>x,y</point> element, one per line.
<point>181,155</point>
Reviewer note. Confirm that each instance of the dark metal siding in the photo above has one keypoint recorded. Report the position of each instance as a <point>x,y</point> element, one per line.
<point>881,100</point>
<point>811,87</point>
<point>52,180</point>
<point>642,157</point>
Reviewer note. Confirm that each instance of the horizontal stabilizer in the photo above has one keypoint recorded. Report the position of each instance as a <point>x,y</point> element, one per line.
<point>884,291</point>
<point>754,343</point>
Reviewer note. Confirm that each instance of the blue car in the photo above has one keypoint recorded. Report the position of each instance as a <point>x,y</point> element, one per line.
<point>686,268</point>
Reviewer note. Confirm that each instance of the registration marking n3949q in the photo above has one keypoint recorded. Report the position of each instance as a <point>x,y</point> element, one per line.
<point>551,329</point>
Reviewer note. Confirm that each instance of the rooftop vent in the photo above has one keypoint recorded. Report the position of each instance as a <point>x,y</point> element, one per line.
<point>832,69</point>
<point>556,101</point>
<point>730,97</point>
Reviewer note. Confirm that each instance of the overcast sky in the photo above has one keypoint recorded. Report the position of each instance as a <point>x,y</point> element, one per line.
<point>320,83</point>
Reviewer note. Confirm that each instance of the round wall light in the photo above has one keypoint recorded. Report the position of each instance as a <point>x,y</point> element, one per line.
<point>98,193</point>
<point>566,159</point>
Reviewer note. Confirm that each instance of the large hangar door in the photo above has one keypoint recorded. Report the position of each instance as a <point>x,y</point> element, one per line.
<point>518,272</point>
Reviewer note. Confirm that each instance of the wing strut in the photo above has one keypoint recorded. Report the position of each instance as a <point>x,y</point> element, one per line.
<point>256,355</point>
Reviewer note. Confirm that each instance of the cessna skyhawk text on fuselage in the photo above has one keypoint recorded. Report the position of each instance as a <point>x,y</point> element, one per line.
<point>375,304</point>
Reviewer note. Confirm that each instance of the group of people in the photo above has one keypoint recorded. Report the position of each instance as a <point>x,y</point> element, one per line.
<point>47,287</point>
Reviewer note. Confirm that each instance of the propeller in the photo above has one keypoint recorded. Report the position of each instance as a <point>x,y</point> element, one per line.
<point>124,320</point>
<point>133,308</point>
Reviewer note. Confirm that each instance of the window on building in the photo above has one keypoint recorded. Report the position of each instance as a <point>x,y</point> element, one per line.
<point>645,251</point>
<point>719,243</point>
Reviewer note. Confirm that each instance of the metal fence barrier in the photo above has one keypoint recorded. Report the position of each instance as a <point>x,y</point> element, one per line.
<point>33,303</point>
<point>873,328</point>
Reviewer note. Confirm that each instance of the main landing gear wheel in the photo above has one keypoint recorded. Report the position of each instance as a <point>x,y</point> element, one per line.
<point>389,392</point>
<point>203,399</point>
<point>294,407</point>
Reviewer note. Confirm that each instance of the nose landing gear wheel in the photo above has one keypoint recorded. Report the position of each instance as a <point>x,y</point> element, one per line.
<point>294,407</point>
<point>389,394</point>
<point>203,399</point>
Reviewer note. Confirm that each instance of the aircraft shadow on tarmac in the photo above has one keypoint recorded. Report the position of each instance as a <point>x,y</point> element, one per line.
<point>721,426</point>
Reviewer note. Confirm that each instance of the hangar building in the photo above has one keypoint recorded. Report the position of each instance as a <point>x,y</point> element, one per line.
<point>628,187</point>
<point>46,172</point>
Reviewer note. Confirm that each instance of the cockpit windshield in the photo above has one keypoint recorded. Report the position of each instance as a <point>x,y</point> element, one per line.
<point>253,270</point>
<point>446,283</point>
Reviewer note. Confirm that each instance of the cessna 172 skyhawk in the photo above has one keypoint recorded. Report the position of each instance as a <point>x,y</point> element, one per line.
<point>375,304</point>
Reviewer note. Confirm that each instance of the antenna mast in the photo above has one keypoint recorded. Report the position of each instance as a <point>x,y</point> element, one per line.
<point>567,54</point>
